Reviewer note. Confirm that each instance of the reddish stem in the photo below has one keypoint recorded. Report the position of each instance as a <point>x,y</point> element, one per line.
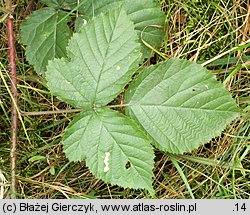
<point>14,113</point>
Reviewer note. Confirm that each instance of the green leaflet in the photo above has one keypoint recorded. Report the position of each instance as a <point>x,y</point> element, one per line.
<point>180,105</point>
<point>66,4</point>
<point>108,141</point>
<point>46,35</point>
<point>55,3</point>
<point>149,21</point>
<point>95,7</point>
<point>145,14</point>
<point>102,59</point>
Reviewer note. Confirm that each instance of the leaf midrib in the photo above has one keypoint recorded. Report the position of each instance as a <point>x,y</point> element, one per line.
<point>178,107</point>
<point>105,56</point>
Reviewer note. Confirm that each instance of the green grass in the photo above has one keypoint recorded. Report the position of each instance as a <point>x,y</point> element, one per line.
<point>197,30</point>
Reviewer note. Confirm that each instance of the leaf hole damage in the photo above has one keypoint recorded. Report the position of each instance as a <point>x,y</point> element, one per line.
<point>128,165</point>
<point>84,21</point>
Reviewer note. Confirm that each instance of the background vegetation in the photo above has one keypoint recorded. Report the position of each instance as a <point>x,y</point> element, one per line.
<point>198,30</point>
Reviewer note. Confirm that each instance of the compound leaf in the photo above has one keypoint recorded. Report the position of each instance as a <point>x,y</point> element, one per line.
<point>102,58</point>
<point>46,35</point>
<point>114,147</point>
<point>180,105</point>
